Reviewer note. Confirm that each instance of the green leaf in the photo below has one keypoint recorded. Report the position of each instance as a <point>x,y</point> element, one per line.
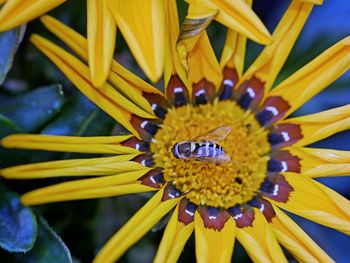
<point>32,110</point>
<point>48,247</point>
<point>9,42</point>
<point>7,127</point>
<point>18,226</point>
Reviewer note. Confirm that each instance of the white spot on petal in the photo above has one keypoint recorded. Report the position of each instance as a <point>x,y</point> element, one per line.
<point>276,190</point>
<point>284,166</point>
<point>251,92</point>
<point>228,82</point>
<point>273,110</point>
<point>178,90</point>
<point>285,136</point>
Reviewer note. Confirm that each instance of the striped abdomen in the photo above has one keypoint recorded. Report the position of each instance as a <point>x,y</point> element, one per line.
<point>201,149</point>
<point>207,149</point>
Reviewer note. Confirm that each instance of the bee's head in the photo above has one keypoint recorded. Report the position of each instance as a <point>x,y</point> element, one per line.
<point>182,149</point>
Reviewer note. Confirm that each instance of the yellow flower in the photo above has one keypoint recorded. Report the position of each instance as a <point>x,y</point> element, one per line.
<point>270,167</point>
<point>146,40</point>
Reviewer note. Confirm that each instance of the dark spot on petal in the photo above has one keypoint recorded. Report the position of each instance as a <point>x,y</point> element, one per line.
<point>153,178</point>
<point>133,142</point>
<point>145,127</point>
<point>250,93</point>
<point>170,192</point>
<point>177,93</point>
<point>273,109</point>
<point>243,215</point>
<point>228,83</point>
<point>158,103</point>
<point>264,206</point>
<point>276,188</point>
<point>283,161</point>
<point>203,92</point>
<point>284,134</point>
<point>186,211</point>
<point>213,217</point>
<point>144,159</point>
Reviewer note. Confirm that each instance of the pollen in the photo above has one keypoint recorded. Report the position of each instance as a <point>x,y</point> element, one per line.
<point>214,184</point>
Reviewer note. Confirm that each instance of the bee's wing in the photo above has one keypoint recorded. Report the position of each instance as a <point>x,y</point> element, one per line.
<point>222,158</point>
<point>215,135</point>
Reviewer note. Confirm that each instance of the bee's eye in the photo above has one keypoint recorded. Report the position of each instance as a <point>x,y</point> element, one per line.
<point>185,147</point>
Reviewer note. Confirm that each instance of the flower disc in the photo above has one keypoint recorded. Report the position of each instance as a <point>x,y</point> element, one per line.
<point>214,184</point>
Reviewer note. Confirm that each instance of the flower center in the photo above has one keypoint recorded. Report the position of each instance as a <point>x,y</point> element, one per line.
<point>215,184</point>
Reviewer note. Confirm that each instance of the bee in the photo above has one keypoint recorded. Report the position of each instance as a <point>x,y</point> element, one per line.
<point>204,148</point>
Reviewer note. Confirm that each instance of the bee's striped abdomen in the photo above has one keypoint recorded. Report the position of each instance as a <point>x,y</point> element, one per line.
<point>208,149</point>
<point>201,149</point>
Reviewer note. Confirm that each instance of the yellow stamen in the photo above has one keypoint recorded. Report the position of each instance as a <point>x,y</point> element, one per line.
<point>219,185</point>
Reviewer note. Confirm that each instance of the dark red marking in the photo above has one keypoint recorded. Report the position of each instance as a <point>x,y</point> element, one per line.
<point>176,92</point>
<point>145,127</point>
<point>273,109</point>
<point>186,211</point>
<point>170,192</point>
<point>153,178</point>
<point>228,83</point>
<point>250,93</point>
<point>203,92</point>
<point>243,215</point>
<point>144,159</point>
<point>276,188</point>
<point>283,161</point>
<point>264,206</point>
<point>135,143</point>
<point>158,103</point>
<point>213,217</point>
<point>284,134</point>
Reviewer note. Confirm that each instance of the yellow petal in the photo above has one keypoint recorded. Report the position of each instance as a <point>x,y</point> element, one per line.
<point>174,239</point>
<point>106,97</point>
<point>130,85</point>
<point>318,126</point>
<point>233,54</point>
<point>132,90</point>
<point>316,2</point>
<point>103,145</point>
<point>142,25</point>
<point>135,228</point>
<point>105,186</point>
<point>74,167</point>
<point>236,15</point>
<point>317,203</point>
<point>269,63</point>
<point>315,76</point>
<point>203,64</point>
<point>105,93</point>
<point>259,241</point>
<point>70,37</point>
<point>91,183</point>
<point>213,245</point>
<point>172,61</point>
<point>101,33</point>
<point>322,162</point>
<point>293,238</point>
<point>17,12</point>
<point>109,191</point>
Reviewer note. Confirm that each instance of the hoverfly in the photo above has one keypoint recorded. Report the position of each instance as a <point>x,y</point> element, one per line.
<point>204,148</point>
